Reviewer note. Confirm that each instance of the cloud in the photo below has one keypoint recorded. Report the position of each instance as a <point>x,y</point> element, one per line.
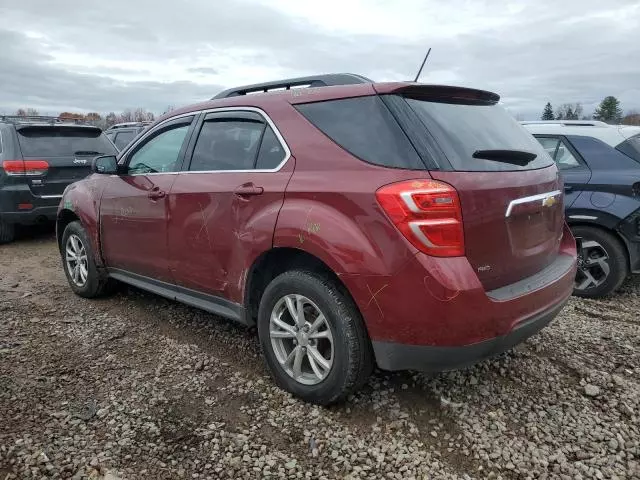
<point>113,55</point>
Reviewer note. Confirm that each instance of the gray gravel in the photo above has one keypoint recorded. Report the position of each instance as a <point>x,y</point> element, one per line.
<point>136,387</point>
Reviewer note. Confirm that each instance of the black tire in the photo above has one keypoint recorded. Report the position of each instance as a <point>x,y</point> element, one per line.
<point>7,232</point>
<point>352,353</point>
<point>97,282</point>
<point>617,261</point>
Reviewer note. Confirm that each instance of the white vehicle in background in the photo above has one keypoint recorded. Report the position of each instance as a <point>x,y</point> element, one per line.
<point>624,138</point>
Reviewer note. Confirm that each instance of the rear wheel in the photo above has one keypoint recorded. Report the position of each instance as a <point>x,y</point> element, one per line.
<point>602,262</point>
<point>79,264</point>
<point>313,338</point>
<point>7,232</point>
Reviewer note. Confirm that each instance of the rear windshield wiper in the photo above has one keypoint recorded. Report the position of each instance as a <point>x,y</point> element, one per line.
<point>86,152</point>
<point>515,157</point>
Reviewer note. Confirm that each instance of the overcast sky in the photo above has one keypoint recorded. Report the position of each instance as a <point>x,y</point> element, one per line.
<point>115,54</point>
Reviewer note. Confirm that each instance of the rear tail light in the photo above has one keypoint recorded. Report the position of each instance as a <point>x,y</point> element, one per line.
<point>428,214</point>
<point>32,168</point>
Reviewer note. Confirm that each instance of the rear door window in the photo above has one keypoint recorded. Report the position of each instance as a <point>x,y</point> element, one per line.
<point>63,142</point>
<point>462,129</point>
<point>229,141</point>
<point>364,127</point>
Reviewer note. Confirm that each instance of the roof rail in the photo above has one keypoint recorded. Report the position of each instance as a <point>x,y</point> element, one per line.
<point>116,126</point>
<point>327,80</point>
<point>39,119</point>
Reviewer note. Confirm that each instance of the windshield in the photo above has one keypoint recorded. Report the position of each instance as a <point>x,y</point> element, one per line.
<point>462,130</point>
<point>63,142</point>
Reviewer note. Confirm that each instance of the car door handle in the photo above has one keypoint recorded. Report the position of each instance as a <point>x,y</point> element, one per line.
<point>156,194</point>
<point>247,190</point>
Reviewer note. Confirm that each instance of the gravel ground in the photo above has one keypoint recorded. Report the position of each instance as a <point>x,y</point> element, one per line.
<point>137,387</point>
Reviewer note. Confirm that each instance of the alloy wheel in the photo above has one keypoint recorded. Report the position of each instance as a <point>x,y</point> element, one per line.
<point>593,266</point>
<point>76,260</point>
<point>302,339</point>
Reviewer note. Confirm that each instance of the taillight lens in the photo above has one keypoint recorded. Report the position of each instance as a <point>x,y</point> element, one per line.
<point>25,167</point>
<point>428,213</point>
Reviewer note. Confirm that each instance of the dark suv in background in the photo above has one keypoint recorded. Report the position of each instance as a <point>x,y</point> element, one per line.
<point>39,157</point>
<point>600,166</point>
<point>122,134</point>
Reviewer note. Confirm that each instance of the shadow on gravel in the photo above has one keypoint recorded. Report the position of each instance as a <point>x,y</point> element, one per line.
<point>35,233</point>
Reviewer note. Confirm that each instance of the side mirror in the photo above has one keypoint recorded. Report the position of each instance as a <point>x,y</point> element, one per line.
<point>105,164</point>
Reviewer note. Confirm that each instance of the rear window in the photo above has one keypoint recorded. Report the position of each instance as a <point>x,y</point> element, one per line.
<point>124,138</point>
<point>462,129</point>
<point>63,142</point>
<point>631,147</point>
<point>365,128</point>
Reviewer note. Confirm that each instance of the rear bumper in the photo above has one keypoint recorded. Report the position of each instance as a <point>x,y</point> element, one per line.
<point>43,208</point>
<point>434,313</point>
<point>397,356</point>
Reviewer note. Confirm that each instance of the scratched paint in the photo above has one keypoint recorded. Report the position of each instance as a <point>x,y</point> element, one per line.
<point>309,227</point>
<point>437,291</point>
<point>203,227</point>
<point>374,298</point>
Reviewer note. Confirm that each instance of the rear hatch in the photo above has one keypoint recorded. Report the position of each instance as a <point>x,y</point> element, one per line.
<point>68,151</point>
<point>509,187</point>
<point>504,212</point>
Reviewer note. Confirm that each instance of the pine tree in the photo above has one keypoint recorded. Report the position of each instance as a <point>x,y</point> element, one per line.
<point>609,110</point>
<point>547,113</point>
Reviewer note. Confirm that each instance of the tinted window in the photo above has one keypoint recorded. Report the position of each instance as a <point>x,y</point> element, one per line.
<point>462,129</point>
<point>160,153</point>
<point>631,147</point>
<point>63,142</point>
<point>271,151</point>
<point>227,144</point>
<point>600,155</point>
<point>123,139</point>
<point>365,128</point>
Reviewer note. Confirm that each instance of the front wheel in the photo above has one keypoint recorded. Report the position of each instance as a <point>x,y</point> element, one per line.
<point>79,264</point>
<point>313,337</point>
<point>602,262</point>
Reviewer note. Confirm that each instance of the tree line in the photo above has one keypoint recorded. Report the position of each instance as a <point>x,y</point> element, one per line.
<point>608,111</point>
<point>94,118</point>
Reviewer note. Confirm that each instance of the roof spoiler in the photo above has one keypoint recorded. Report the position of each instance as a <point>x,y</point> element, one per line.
<point>25,119</point>
<point>328,80</point>
<point>443,93</point>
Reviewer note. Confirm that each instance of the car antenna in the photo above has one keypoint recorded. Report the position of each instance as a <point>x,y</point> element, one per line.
<point>422,66</point>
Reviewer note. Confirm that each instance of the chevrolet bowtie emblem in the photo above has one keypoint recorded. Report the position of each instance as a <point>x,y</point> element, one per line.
<point>549,202</point>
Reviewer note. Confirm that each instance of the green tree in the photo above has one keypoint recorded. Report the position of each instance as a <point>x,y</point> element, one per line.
<point>547,113</point>
<point>609,110</point>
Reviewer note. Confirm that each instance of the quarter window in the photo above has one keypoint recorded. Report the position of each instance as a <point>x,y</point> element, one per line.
<point>564,158</point>
<point>161,153</point>
<point>559,151</point>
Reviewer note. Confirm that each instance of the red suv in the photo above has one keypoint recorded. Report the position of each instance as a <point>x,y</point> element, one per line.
<point>355,223</point>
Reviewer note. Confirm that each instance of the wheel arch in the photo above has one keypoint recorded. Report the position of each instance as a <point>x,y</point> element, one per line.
<point>64,218</point>
<point>278,260</point>
<point>611,231</point>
